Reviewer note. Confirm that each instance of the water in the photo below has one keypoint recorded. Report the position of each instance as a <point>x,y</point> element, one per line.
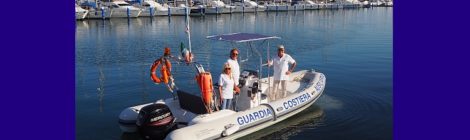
<point>353,48</point>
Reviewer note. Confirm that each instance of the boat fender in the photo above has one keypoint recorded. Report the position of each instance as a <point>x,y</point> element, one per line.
<point>102,12</point>
<point>204,81</point>
<point>272,110</point>
<point>169,11</point>
<point>230,129</point>
<point>128,12</point>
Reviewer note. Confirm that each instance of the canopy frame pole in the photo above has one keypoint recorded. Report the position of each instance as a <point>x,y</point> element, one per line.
<point>269,81</point>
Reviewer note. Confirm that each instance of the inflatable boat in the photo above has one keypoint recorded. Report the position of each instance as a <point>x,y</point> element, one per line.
<point>185,116</point>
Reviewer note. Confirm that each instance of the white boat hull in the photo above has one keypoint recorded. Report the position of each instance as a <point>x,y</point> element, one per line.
<point>152,8</point>
<point>296,8</point>
<point>81,14</point>
<point>303,90</point>
<point>240,9</point>
<point>148,12</point>
<point>267,124</point>
<point>153,12</point>
<point>177,11</point>
<point>99,13</point>
<point>128,118</point>
<point>255,118</point>
<point>330,6</point>
<point>285,7</point>
<point>197,11</point>
<point>161,13</point>
<point>277,8</point>
<point>215,10</point>
<point>125,13</point>
<point>312,7</point>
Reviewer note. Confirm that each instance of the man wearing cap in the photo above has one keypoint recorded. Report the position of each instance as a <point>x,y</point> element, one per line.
<point>281,72</point>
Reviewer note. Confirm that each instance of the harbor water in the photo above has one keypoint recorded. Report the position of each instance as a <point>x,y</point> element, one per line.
<point>352,47</point>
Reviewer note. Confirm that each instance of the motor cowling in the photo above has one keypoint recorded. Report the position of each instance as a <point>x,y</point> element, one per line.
<point>155,121</point>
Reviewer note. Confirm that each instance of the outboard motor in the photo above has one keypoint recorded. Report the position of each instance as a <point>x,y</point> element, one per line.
<point>155,121</point>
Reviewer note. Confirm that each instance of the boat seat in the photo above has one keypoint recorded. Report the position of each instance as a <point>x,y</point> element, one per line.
<point>191,102</point>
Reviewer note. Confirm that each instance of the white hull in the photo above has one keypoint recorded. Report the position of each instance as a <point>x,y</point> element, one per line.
<point>277,7</point>
<point>312,7</point>
<point>346,6</point>
<point>261,8</point>
<point>81,14</point>
<point>240,9</point>
<point>161,13</point>
<point>267,124</point>
<point>124,13</point>
<point>148,12</point>
<point>197,11</point>
<point>127,119</point>
<point>99,13</point>
<point>297,8</point>
<point>285,7</point>
<point>228,9</point>
<point>330,6</point>
<point>119,9</point>
<point>304,88</point>
<point>152,8</point>
<point>177,11</point>
<point>216,10</point>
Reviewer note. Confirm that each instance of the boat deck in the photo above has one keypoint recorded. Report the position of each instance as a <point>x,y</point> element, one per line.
<point>299,82</point>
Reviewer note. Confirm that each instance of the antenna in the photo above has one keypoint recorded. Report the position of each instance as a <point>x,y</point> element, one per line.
<point>188,31</point>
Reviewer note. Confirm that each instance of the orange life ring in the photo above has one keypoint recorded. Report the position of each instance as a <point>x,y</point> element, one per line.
<point>165,71</point>
<point>204,80</point>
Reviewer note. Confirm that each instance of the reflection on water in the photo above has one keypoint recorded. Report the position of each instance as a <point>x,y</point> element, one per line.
<point>329,103</point>
<point>101,87</point>
<point>352,47</point>
<point>130,136</point>
<point>144,70</point>
<point>310,118</point>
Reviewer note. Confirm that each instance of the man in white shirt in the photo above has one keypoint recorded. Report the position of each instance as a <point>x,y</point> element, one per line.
<point>234,65</point>
<point>235,71</point>
<point>281,72</point>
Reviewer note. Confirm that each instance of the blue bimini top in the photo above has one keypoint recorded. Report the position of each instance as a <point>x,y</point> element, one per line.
<point>241,37</point>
